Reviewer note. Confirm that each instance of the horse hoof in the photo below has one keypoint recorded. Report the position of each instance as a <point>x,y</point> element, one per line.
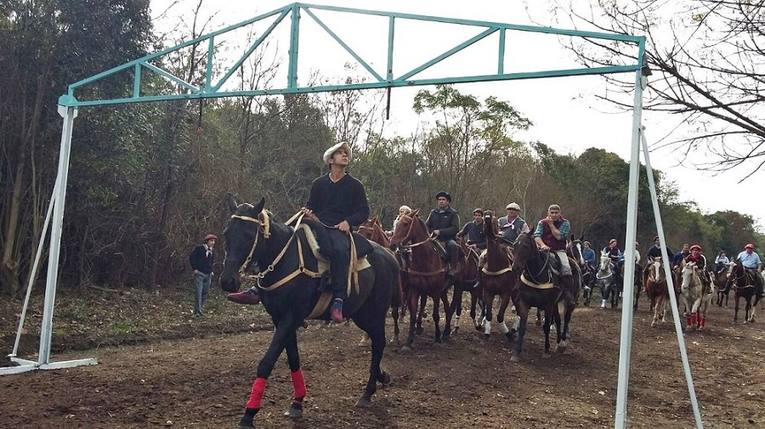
<point>515,358</point>
<point>546,355</point>
<point>386,379</point>
<point>562,346</point>
<point>406,349</point>
<point>486,336</point>
<point>293,413</point>
<point>363,403</point>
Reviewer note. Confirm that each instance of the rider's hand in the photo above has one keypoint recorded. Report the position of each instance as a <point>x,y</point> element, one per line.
<point>436,232</point>
<point>308,213</point>
<point>344,226</point>
<point>544,247</point>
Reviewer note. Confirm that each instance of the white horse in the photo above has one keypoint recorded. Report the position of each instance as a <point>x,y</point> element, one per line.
<point>604,278</point>
<point>697,295</point>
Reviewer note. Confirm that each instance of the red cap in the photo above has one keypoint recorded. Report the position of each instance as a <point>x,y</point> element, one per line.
<point>749,246</point>
<point>210,237</point>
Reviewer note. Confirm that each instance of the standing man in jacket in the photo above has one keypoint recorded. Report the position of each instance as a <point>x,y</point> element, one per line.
<point>201,260</point>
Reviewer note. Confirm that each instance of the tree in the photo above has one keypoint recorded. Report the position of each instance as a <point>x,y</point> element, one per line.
<point>707,59</point>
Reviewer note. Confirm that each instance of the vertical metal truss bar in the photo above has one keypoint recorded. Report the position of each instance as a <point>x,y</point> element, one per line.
<point>210,57</point>
<point>249,51</point>
<point>344,45</point>
<point>476,23</point>
<point>501,53</point>
<point>137,81</point>
<point>171,77</point>
<point>447,54</point>
<point>391,32</point>
<point>146,58</point>
<point>294,41</point>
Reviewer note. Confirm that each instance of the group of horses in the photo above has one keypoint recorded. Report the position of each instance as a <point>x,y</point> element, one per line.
<point>401,270</point>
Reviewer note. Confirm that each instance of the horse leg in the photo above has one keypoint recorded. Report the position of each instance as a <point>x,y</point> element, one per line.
<point>376,332</point>
<point>456,307</point>
<point>565,310</point>
<point>546,328</point>
<point>421,313</point>
<point>447,315</point>
<point>637,295</point>
<point>473,303</point>
<point>488,302</point>
<point>503,329</point>
<point>394,312</point>
<point>523,315</point>
<point>436,318</point>
<point>539,317</point>
<point>298,381</point>
<point>266,365</point>
<point>413,300</point>
<point>735,311</point>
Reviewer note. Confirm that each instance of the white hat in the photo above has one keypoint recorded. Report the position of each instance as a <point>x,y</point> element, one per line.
<point>331,151</point>
<point>513,206</point>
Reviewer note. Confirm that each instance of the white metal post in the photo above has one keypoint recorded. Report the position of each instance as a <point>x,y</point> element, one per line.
<point>670,284</point>
<point>68,113</point>
<point>625,343</point>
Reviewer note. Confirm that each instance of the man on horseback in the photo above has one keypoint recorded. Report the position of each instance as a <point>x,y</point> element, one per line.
<point>655,250</point>
<point>476,238</point>
<point>682,254</point>
<point>512,225</point>
<point>339,201</point>
<point>616,257</point>
<point>550,234</point>
<point>444,222</point>
<point>751,262</point>
<point>700,260</point>
<point>721,262</point>
<point>590,259</point>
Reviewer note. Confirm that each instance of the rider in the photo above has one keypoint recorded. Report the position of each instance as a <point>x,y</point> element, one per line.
<point>444,223</point>
<point>750,260</point>
<point>476,238</point>
<point>512,225</point>
<point>404,210</point>
<point>721,261</point>
<point>655,250</point>
<point>550,234</point>
<point>339,201</point>
<point>681,255</point>
<point>617,258</point>
<point>590,259</point>
<point>700,260</point>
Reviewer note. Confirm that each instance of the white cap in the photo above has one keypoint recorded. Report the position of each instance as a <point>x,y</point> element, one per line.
<point>331,151</point>
<point>513,206</point>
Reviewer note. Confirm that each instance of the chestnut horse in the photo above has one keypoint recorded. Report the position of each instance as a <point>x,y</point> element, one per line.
<point>537,285</point>
<point>744,287</point>
<point>655,285</point>
<point>426,273</point>
<point>496,278</point>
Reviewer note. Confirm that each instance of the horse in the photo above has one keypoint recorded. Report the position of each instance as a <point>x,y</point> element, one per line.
<point>744,282</point>
<point>372,230</point>
<point>605,280</point>
<point>496,278</point>
<point>466,280</point>
<point>426,273</point>
<point>636,283</point>
<point>289,288</point>
<point>574,250</point>
<point>696,294</point>
<point>722,282</point>
<point>537,285</point>
<point>655,285</point>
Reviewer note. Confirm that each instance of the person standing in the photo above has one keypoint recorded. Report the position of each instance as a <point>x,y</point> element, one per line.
<point>201,260</point>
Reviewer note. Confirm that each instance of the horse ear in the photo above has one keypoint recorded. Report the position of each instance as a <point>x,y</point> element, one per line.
<point>572,238</point>
<point>231,202</point>
<point>259,206</point>
<point>581,237</point>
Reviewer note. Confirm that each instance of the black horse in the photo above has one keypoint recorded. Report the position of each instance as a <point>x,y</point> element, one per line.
<point>252,236</point>
<point>537,287</point>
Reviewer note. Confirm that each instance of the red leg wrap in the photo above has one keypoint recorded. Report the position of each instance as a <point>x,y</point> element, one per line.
<point>258,388</point>
<point>298,384</point>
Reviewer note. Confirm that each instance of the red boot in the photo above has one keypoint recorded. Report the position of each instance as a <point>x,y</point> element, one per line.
<point>250,297</point>
<point>336,313</point>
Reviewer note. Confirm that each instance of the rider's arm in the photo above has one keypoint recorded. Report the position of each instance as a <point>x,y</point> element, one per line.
<point>360,211</point>
<point>454,227</point>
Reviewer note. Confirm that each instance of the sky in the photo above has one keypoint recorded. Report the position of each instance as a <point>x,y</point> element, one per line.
<point>566,114</point>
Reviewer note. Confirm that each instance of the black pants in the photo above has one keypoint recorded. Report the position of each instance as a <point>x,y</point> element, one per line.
<point>339,255</point>
<point>452,249</point>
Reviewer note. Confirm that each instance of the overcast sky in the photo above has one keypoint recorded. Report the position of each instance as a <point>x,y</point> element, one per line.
<point>565,113</point>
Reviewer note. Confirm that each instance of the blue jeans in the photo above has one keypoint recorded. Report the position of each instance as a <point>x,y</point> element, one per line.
<point>202,282</point>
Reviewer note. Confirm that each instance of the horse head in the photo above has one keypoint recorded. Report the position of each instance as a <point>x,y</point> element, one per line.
<point>690,275</point>
<point>656,274</point>
<point>605,263</point>
<point>574,249</point>
<point>408,229</point>
<point>489,227</point>
<point>525,249</point>
<point>240,240</point>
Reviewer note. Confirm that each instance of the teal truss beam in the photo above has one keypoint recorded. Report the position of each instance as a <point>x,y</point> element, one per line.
<point>208,88</point>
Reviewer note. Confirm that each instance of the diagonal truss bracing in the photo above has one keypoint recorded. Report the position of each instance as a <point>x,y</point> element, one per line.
<point>212,89</point>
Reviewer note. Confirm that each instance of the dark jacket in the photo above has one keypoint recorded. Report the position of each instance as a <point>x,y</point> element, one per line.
<point>334,202</point>
<point>655,252</point>
<point>447,221</point>
<point>511,230</point>
<point>200,261</point>
<point>474,234</point>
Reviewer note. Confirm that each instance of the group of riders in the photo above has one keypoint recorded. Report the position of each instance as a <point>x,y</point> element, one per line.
<point>338,202</point>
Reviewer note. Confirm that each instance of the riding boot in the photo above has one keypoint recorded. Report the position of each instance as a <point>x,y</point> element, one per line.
<point>339,285</point>
<point>249,296</point>
<point>603,303</point>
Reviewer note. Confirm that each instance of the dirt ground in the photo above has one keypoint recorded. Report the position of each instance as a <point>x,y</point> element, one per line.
<point>202,381</point>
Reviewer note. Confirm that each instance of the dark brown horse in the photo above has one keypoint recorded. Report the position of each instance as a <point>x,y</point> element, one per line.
<point>538,286</point>
<point>722,280</point>
<point>466,280</point>
<point>496,278</point>
<point>637,283</point>
<point>744,282</point>
<point>426,273</point>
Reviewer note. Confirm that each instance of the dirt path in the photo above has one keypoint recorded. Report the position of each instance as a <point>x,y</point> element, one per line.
<point>204,382</point>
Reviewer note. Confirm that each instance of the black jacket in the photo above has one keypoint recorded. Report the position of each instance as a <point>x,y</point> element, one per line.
<point>200,261</point>
<point>475,234</point>
<point>334,202</point>
<point>446,221</point>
